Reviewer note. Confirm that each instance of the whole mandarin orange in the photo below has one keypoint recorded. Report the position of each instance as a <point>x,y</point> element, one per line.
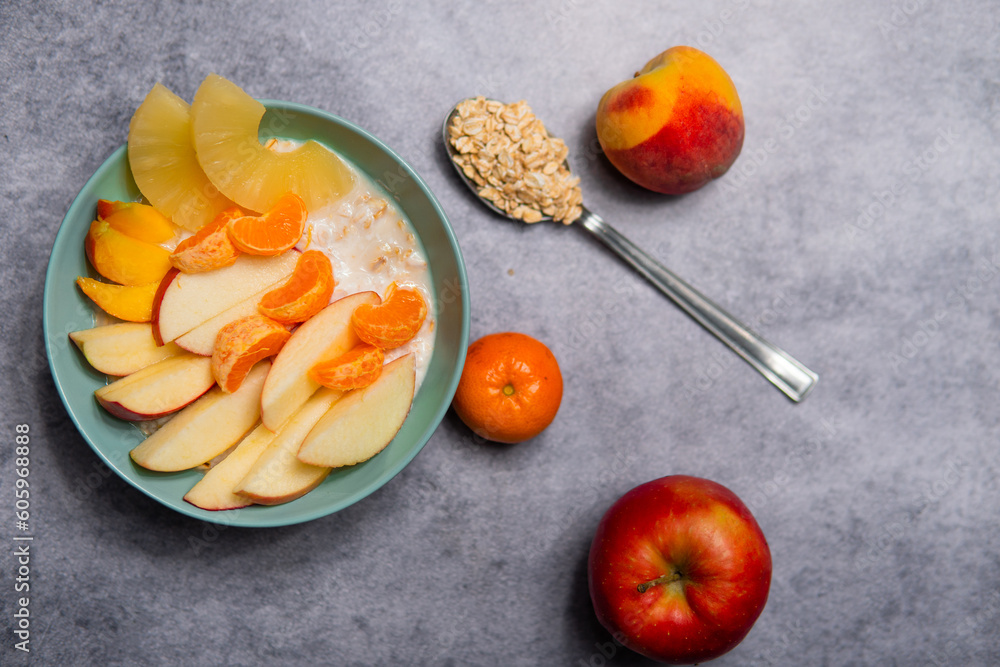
<point>510,389</point>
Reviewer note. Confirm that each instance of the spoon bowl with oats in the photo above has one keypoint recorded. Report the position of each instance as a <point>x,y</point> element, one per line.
<point>504,154</point>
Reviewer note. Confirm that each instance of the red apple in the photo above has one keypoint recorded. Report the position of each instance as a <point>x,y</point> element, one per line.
<point>679,570</point>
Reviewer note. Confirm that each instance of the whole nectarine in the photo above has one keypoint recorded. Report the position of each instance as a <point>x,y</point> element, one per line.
<point>675,126</point>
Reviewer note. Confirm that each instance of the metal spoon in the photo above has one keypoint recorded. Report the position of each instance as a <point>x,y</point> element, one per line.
<point>787,373</point>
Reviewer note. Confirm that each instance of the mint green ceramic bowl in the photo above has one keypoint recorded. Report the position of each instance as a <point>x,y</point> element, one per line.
<point>67,309</point>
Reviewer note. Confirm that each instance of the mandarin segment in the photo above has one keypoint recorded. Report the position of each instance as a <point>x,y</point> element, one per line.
<point>395,321</point>
<point>274,232</point>
<point>510,388</point>
<point>355,369</point>
<point>241,344</point>
<point>210,247</point>
<point>307,291</point>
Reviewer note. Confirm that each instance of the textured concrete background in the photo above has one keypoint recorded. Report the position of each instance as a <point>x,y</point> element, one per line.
<point>858,230</point>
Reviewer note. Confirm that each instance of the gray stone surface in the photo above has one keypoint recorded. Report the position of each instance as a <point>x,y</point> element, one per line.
<point>879,494</point>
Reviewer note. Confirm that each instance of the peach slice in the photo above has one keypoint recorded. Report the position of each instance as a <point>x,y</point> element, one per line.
<point>241,344</point>
<point>105,207</point>
<point>123,259</point>
<point>158,389</point>
<point>204,429</point>
<point>140,221</point>
<point>355,369</point>
<point>122,349</point>
<point>132,303</point>
<point>210,248</point>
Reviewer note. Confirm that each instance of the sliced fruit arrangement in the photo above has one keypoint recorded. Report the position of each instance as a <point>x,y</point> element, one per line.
<point>225,122</point>
<point>230,332</point>
<point>164,164</point>
<point>278,430</point>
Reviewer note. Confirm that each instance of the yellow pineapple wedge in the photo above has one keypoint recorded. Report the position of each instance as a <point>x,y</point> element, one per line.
<point>225,122</point>
<point>164,165</point>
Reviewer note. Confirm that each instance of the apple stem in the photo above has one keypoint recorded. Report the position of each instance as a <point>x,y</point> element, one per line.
<point>665,579</point>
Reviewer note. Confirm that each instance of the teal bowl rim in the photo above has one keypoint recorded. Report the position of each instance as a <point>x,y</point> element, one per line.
<point>259,517</point>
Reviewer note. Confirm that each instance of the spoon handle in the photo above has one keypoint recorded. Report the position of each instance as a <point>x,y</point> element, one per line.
<point>788,374</point>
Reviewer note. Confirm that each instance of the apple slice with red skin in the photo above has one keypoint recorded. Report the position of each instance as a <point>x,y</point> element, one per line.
<point>158,389</point>
<point>201,339</point>
<point>278,476</point>
<point>325,335</point>
<point>679,570</point>
<point>215,490</point>
<point>204,429</point>
<point>122,349</point>
<point>364,421</point>
<point>185,301</point>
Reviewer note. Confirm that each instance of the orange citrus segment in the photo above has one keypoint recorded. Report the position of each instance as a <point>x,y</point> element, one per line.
<point>210,247</point>
<point>394,322</point>
<point>274,232</point>
<point>357,368</point>
<point>307,291</point>
<point>241,344</point>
